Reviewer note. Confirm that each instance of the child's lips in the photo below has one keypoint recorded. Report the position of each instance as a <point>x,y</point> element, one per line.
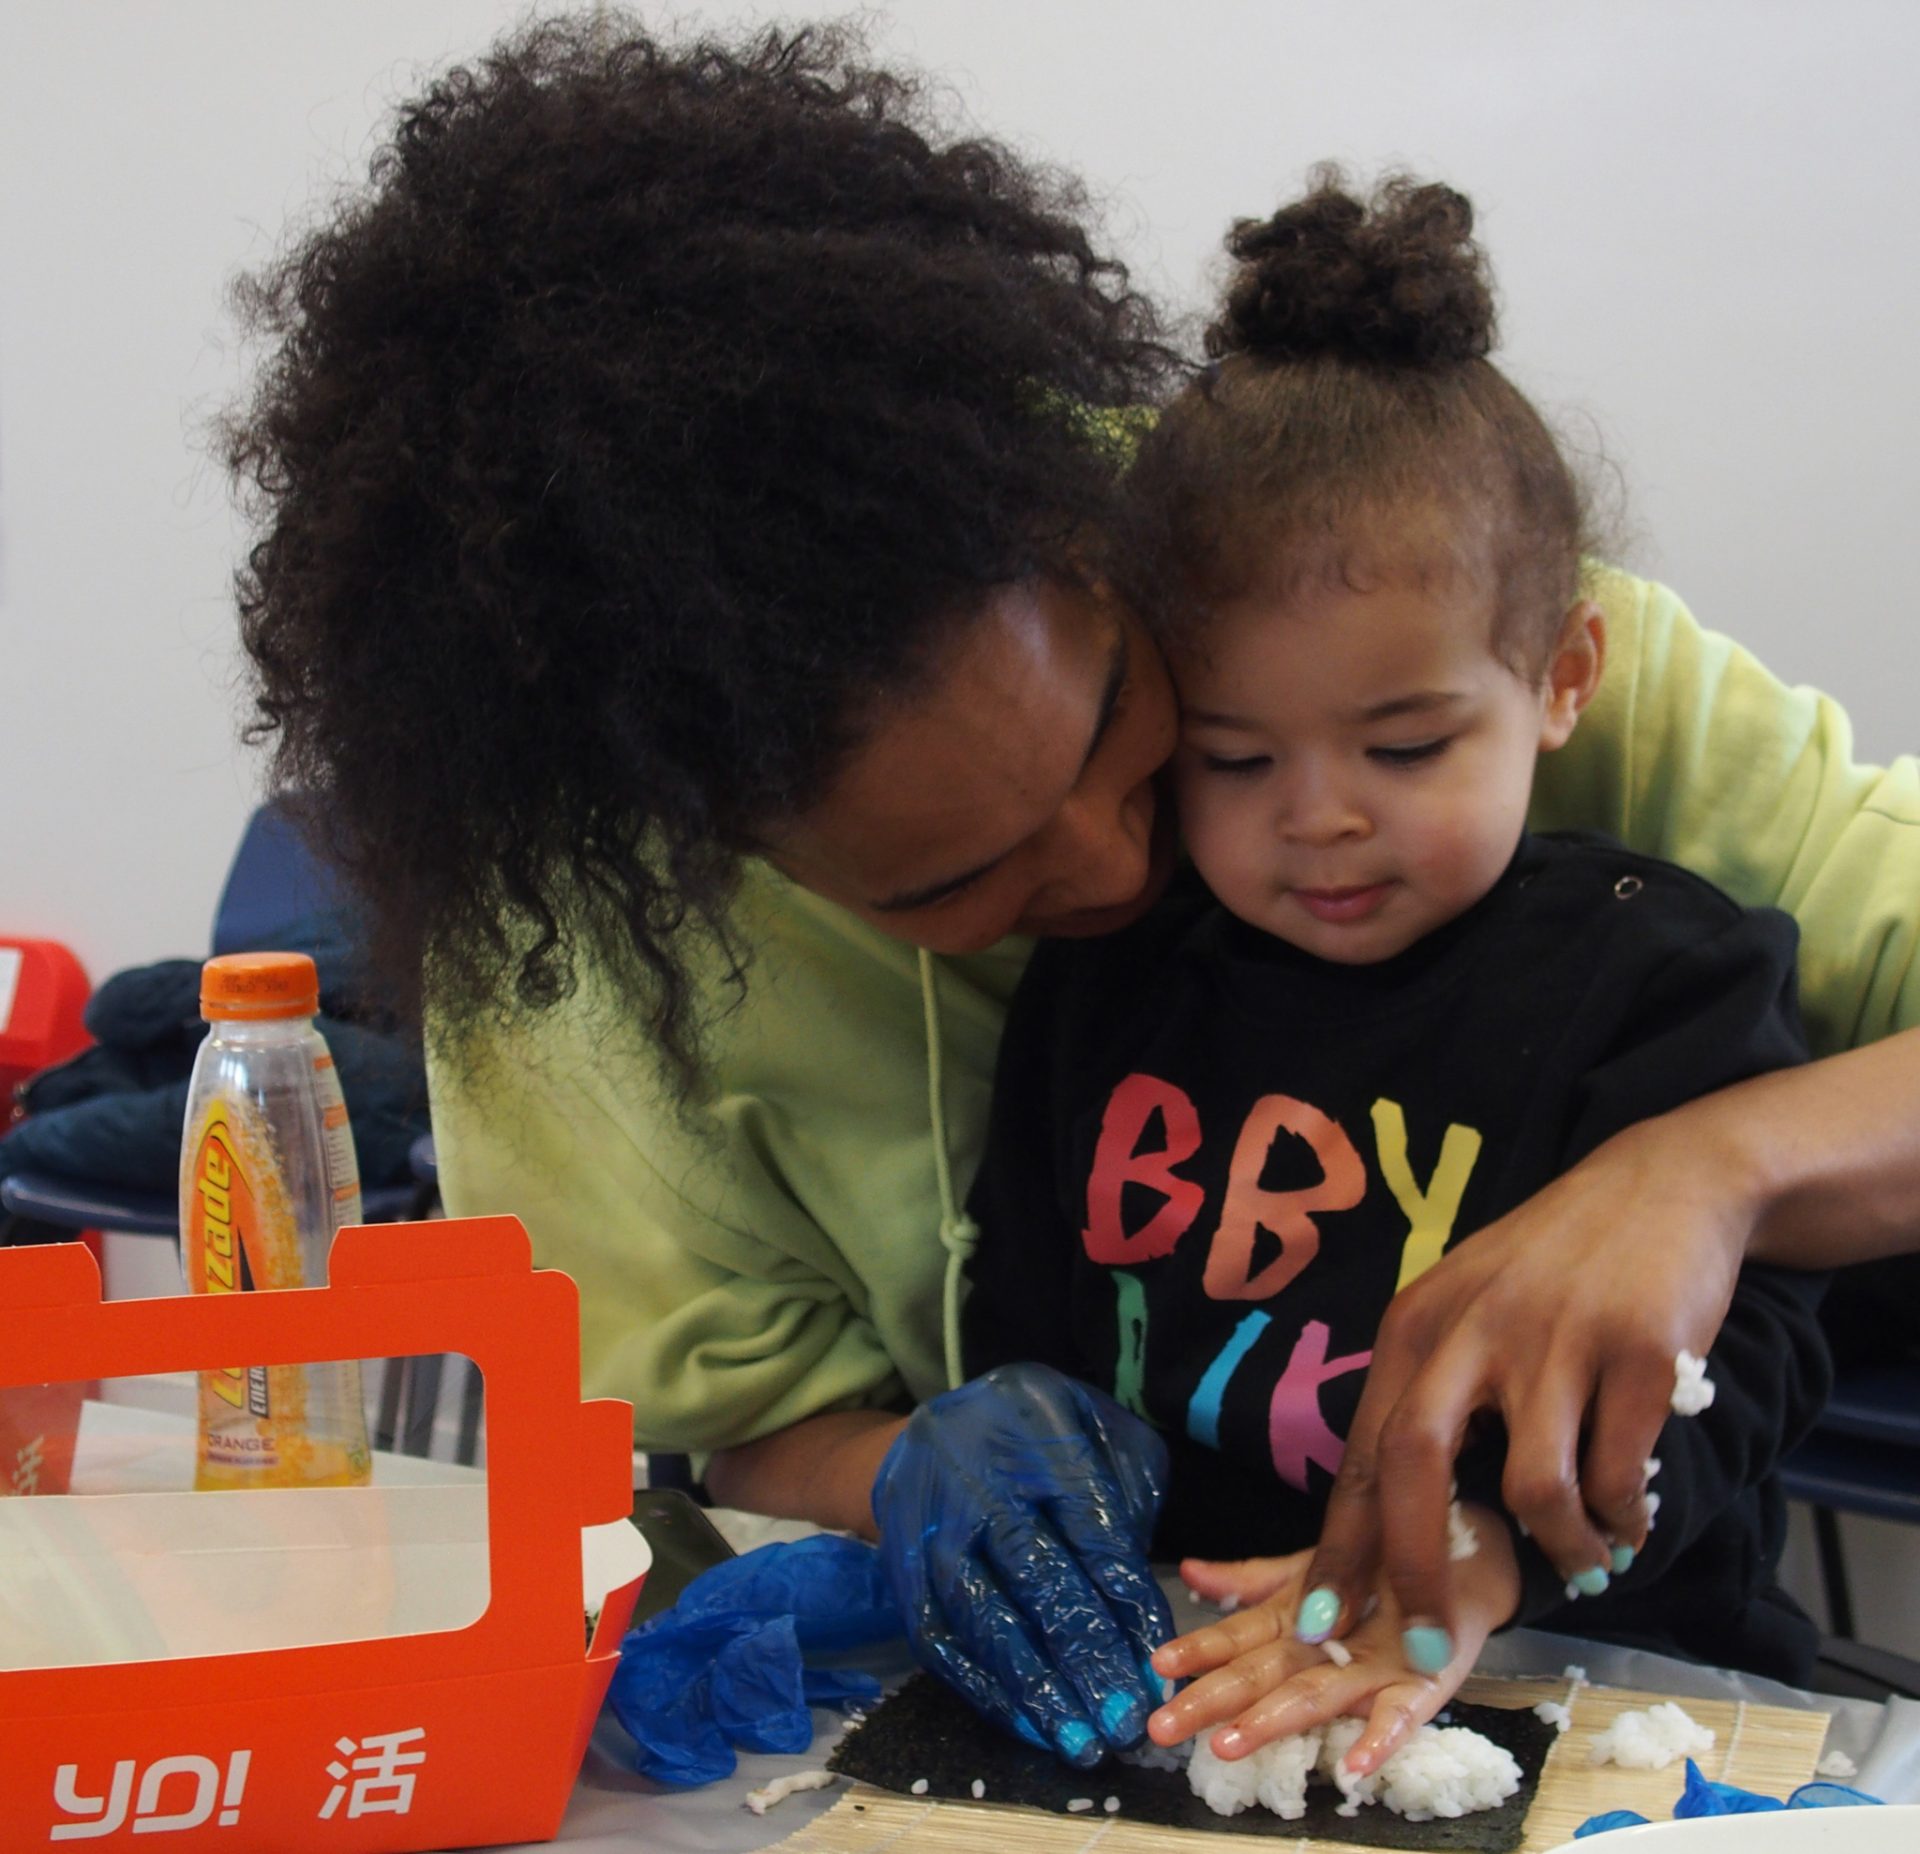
<point>1338,906</point>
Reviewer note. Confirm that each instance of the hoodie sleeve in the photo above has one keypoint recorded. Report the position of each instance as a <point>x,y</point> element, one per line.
<point>1695,752</point>
<point>1716,1007</point>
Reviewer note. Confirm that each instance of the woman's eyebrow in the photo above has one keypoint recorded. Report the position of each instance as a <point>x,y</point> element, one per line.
<point>1118,664</point>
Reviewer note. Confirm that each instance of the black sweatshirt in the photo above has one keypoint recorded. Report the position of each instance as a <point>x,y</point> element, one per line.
<point>1212,1158</point>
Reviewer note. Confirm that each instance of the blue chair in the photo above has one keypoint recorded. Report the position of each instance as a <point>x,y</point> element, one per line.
<point>424,1163</point>
<point>274,878</point>
<point>1862,1457</point>
<point>73,1204</point>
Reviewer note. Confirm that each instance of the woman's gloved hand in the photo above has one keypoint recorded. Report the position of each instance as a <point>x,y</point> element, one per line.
<point>1015,1515</point>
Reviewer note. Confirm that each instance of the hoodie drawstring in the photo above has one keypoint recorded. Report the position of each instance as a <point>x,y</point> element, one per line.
<point>958,1231</point>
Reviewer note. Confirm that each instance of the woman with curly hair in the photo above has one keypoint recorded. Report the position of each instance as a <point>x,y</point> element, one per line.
<point>683,479</point>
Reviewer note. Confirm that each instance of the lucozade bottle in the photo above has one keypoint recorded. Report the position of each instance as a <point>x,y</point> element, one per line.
<point>267,1175</point>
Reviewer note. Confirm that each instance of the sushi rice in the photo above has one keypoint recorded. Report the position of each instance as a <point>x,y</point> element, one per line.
<point>1441,1771</point>
<point>1650,1738</point>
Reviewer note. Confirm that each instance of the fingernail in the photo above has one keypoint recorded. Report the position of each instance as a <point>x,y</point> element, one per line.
<point>1591,1582</point>
<point>1229,1743</point>
<point>1428,1649</point>
<point>1074,1740</point>
<point>1622,1559</point>
<point>1318,1614</point>
<point>1115,1711</point>
<point>1157,1682</point>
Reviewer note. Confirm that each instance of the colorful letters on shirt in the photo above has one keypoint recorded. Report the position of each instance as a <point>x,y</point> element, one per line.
<point>1298,1433</point>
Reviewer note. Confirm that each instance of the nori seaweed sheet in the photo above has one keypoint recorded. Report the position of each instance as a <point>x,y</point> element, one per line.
<point>926,1730</point>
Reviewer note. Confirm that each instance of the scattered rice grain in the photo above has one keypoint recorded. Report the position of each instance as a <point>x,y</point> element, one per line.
<point>1692,1388</point>
<point>1147,1755</point>
<point>763,1799</point>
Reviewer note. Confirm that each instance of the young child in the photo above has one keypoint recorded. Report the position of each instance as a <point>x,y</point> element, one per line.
<point>1375,1014</point>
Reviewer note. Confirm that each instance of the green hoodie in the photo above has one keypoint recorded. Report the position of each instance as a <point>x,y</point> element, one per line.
<point>800,1252</point>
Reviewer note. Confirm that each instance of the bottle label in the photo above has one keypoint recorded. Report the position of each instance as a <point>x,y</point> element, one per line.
<point>240,1232</point>
<point>343,1166</point>
<point>222,1214</point>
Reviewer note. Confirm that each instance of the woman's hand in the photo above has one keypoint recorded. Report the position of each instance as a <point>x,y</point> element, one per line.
<point>1261,1683</point>
<point>1566,1313</point>
<point>1015,1514</point>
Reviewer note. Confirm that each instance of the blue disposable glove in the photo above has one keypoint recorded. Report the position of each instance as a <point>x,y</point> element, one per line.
<point>1015,1515</point>
<point>730,1665</point>
<point>1700,1796</point>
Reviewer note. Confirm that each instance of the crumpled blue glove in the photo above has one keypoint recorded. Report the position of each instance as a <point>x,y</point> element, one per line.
<point>726,1667</point>
<point>1701,1796</point>
<point>1015,1515</point>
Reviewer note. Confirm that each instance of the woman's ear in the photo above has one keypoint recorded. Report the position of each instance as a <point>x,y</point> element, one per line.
<point>1573,673</point>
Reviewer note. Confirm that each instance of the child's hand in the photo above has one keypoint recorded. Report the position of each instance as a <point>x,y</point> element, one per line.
<point>1254,1677</point>
<point>1244,1582</point>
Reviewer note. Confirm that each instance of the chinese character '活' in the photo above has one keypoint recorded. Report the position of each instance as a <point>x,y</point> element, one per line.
<point>381,1772</point>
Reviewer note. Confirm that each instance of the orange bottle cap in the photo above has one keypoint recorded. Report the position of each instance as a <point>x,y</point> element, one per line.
<point>258,985</point>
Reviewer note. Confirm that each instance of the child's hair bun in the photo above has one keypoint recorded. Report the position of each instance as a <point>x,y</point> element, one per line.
<point>1395,280</point>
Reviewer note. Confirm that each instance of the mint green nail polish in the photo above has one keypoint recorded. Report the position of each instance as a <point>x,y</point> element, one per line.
<point>1622,1558</point>
<point>1427,1649</point>
<point>1591,1582</point>
<point>1318,1614</point>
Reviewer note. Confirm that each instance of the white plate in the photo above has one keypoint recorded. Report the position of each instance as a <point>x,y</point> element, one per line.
<point>1892,1830</point>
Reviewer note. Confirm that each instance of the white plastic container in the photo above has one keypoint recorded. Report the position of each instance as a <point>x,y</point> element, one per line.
<point>267,1175</point>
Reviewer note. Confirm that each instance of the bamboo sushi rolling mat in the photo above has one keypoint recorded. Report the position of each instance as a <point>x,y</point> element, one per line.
<point>1765,1748</point>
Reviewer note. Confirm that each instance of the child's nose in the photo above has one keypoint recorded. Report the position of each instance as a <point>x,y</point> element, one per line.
<point>1316,811</point>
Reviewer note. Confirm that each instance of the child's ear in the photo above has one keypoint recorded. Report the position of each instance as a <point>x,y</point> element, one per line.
<point>1573,672</point>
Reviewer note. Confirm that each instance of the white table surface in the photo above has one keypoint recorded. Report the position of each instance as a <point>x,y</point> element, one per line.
<point>614,1811</point>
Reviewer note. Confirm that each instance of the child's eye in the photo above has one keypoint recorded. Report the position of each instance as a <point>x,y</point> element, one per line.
<point>1409,755</point>
<point>1236,763</point>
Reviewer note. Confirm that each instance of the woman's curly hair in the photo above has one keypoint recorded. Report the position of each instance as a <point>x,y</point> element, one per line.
<point>653,414</point>
<point>1350,380</point>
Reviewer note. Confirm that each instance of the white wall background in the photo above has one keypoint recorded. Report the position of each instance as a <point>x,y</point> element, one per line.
<point>1702,213</point>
